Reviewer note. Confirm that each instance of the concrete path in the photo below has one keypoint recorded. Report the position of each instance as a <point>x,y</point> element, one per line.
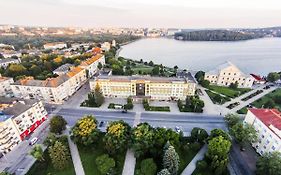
<point>130,162</point>
<point>79,170</point>
<point>192,165</point>
<point>210,107</point>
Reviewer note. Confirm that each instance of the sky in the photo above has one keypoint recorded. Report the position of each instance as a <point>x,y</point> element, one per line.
<point>142,13</point>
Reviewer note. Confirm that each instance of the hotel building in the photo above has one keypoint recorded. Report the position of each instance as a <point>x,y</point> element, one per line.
<point>228,73</point>
<point>267,123</point>
<point>160,88</point>
<point>18,119</point>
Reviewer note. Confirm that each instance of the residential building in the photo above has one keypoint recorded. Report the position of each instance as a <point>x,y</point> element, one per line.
<point>5,86</point>
<point>105,46</point>
<point>4,63</point>
<point>63,69</point>
<point>228,73</point>
<point>160,88</point>
<point>267,123</point>
<point>91,64</point>
<point>18,119</point>
<point>10,53</point>
<point>52,90</point>
<point>56,45</point>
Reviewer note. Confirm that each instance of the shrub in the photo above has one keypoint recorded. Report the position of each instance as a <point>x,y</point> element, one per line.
<point>201,164</point>
<point>195,146</point>
<point>105,164</point>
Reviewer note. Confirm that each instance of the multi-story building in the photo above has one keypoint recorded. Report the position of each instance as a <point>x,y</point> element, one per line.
<point>51,90</point>
<point>228,73</point>
<point>63,69</point>
<point>160,88</point>
<point>4,63</point>
<point>56,45</point>
<point>5,86</point>
<point>267,123</point>
<point>18,119</point>
<point>91,64</point>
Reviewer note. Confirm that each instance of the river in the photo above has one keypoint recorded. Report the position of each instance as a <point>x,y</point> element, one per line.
<point>258,56</point>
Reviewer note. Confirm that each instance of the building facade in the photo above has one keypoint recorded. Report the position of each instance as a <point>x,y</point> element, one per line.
<point>228,73</point>
<point>159,88</point>
<point>5,86</point>
<point>267,123</point>
<point>18,119</point>
<point>52,90</point>
<point>91,64</point>
<point>56,45</point>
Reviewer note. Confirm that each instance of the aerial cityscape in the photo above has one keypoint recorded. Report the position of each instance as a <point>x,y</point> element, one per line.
<point>184,87</point>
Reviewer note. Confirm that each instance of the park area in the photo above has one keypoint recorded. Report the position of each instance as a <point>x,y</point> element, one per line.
<point>229,92</point>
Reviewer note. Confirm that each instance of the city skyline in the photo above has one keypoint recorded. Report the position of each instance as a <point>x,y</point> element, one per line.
<point>124,13</point>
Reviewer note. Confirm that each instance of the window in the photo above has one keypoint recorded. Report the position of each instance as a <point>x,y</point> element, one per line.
<point>229,73</point>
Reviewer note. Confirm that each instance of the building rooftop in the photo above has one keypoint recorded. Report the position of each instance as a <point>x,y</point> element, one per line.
<point>91,60</point>
<point>220,67</point>
<point>146,78</point>
<point>63,68</point>
<point>270,117</point>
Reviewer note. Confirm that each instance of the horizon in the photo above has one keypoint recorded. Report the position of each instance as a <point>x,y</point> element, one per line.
<point>190,14</point>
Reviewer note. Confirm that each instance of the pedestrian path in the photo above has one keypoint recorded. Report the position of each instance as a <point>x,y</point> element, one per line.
<point>79,170</point>
<point>192,165</point>
<point>130,163</point>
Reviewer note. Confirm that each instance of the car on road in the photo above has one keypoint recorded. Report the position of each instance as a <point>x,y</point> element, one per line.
<point>266,87</point>
<point>177,129</point>
<point>33,141</point>
<point>124,111</point>
<point>101,123</point>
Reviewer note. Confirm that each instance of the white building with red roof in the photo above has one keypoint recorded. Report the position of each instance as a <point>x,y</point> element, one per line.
<point>267,123</point>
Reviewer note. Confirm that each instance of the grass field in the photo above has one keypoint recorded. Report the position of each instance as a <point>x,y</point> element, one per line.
<point>212,96</point>
<point>89,154</point>
<point>232,93</point>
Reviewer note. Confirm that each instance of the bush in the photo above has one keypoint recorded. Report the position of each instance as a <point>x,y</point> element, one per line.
<point>148,167</point>
<point>105,164</point>
<point>201,164</point>
<point>195,146</point>
<point>111,106</point>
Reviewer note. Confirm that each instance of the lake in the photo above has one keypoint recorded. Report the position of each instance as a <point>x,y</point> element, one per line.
<point>258,56</point>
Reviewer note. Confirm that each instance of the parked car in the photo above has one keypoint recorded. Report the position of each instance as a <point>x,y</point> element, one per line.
<point>177,129</point>
<point>124,111</point>
<point>33,141</point>
<point>101,123</point>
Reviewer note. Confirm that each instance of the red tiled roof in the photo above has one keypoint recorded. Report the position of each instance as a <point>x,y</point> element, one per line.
<point>268,117</point>
<point>257,77</point>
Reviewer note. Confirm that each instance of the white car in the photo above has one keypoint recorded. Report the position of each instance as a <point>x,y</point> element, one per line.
<point>33,141</point>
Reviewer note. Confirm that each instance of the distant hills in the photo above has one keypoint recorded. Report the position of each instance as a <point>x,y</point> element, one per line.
<point>227,34</point>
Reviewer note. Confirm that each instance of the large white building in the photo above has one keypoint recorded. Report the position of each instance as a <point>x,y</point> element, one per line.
<point>160,88</point>
<point>267,123</point>
<point>51,90</point>
<point>91,64</point>
<point>56,45</point>
<point>18,119</point>
<point>228,73</point>
<point>5,86</point>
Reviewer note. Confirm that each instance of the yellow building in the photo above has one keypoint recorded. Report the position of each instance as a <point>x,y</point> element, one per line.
<point>160,88</point>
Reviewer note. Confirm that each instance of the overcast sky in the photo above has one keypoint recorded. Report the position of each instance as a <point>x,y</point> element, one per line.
<point>142,13</point>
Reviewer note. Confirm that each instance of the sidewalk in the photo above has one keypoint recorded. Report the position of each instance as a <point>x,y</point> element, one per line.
<point>192,165</point>
<point>79,170</point>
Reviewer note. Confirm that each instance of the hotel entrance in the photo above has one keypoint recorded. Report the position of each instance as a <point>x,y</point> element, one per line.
<point>140,89</point>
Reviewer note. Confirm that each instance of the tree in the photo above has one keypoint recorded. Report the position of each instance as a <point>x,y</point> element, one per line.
<point>99,98</point>
<point>151,63</point>
<point>218,149</point>
<point>233,85</point>
<point>37,152</point>
<point>197,105</point>
<point>85,130</point>
<point>57,124</point>
<point>232,119</point>
<point>200,76</point>
<point>15,70</point>
<point>176,68</point>
<point>269,164</point>
<point>155,70</point>
<point>219,132</point>
<point>148,167</point>
<point>99,66</point>
<point>199,135</point>
<point>205,83</point>
<point>59,155</point>
<point>171,160</point>
<point>273,76</point>
<point>35,70</point>
<point>117,136</point>
<point>244,133</point>
<point>142,139</point>
<point>164,172</point>
<point>105,163</point>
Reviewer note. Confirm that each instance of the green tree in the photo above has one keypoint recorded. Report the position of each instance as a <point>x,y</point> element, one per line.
<point>37,152</point>
<point>244,133</point>
<point>105,164</point>
<point>218,149</point>
<point>117,136</point>
<point>205,83</point>
<point>142,139</point>
<point>233,85</point>
<point>269,164</point>
<point>57,124</point>
<point>164,172</point>
<point>98,96</point>
<point>5,173</point>
<point>15,70</point>
<point>35,70</point>
<point>155,70</point>
<point>85,130</point>
<point>199,135</point>
<point>232,119</point>
<point>273,76</point>
<point>219,132</point>
<point>200,76</point>
<point>100,66</point>
<point>59,155</point>
<point>151,63</point>
<point>148,167</point>
<point>171,160</point>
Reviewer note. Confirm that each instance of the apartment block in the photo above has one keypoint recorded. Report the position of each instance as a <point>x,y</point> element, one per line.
<point>18,119</point>
<point>228,73</point>
<point>5,86</point>
<point>267,123</point>
<point>91,64</point>
<point>160,88</point>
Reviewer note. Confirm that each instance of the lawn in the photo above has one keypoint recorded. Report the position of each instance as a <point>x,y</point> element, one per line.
<point>89,154</point>
<point>46,168</point>
<point>260,102</point>
<point>242,110</point>
<point>216,98</point>
<point>232,93</point>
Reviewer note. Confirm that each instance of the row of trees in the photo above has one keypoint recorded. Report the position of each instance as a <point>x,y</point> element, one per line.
<point>192,104</point>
